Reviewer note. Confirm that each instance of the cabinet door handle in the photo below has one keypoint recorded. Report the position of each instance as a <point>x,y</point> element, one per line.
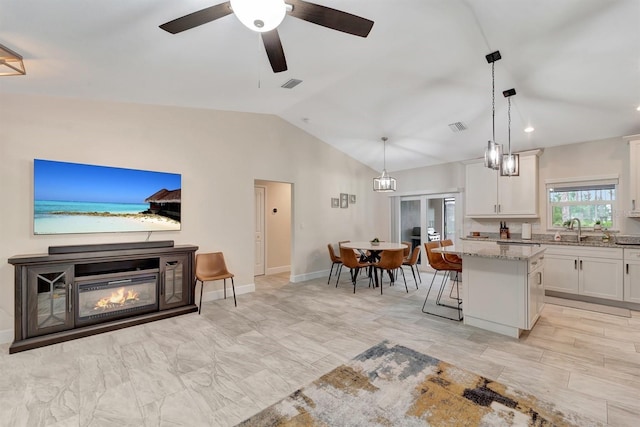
<point>69,303</point>
<point>580,264</point>
<point>633,205</point>
<point>498,208</point>
<point>575,264</point>
<point>627,268</point>
<point>495,208</point>
<point>539,278</point>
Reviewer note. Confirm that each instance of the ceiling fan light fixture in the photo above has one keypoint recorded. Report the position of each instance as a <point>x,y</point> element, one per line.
<point>259,15</point>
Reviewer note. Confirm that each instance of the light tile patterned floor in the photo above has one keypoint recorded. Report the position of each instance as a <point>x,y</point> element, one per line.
<point>223,366</point>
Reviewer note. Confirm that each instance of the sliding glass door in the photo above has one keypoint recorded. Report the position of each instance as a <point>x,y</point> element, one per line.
<point>426,218</point>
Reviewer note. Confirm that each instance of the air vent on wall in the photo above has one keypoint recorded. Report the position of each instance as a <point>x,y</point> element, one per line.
<point>457,127</point>
<point>291,83</point>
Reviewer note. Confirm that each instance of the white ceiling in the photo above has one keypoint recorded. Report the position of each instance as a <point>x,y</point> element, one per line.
<point>574,63</point>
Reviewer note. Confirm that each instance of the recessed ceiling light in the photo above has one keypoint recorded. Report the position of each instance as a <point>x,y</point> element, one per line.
<point>529,129</point>
<point>638,108</point>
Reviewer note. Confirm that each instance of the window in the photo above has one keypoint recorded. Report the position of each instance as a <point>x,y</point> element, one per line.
<point>587,200</point>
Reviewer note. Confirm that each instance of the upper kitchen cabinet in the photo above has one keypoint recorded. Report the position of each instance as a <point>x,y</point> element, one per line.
<point>634,175</point>
<point>489,195</point>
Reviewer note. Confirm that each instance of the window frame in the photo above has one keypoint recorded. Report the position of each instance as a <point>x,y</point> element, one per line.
<point>583,184</point>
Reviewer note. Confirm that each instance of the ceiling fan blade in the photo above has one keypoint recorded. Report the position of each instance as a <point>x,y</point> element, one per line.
<point>330,18</point>
<point>200,17</point>
<point>272,45</point>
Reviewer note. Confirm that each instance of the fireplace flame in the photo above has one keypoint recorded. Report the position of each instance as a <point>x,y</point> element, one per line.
<point>118,298</point>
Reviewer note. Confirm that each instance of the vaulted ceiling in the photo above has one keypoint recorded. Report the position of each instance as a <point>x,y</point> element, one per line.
<point>575,65</point>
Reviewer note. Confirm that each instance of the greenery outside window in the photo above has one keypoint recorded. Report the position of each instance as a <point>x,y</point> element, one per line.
<point>589,201</point>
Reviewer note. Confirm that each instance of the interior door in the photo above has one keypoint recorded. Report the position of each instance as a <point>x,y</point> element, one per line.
<point>258,269</point>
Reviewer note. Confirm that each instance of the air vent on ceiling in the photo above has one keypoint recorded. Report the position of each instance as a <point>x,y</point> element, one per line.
<point>457,127</point>
<point>291,84</point>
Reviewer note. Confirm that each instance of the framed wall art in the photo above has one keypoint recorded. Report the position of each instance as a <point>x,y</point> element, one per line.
<point>344,200</point>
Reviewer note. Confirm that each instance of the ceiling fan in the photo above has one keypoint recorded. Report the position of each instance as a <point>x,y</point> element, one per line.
<point>264,16</point>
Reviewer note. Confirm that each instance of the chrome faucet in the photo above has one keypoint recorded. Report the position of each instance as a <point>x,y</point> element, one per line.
<point>579,228</point>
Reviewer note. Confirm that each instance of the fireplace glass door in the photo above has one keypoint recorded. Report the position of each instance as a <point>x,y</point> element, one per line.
<point>117,297</point>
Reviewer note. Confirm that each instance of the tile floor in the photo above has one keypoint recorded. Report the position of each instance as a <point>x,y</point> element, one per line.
<point>223,366</point>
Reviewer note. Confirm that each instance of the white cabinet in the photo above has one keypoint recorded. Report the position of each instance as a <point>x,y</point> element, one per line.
<point>634,175</point>
<point>502,295</point>
<point>594,272</point>
<point>632,275</point>
<point>535,286</point>
<point>487,194</point>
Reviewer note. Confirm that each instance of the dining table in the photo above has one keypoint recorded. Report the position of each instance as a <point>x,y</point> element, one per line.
<point>370,252</point>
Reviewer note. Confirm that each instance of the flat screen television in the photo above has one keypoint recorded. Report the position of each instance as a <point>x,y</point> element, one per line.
<point>82,198</point>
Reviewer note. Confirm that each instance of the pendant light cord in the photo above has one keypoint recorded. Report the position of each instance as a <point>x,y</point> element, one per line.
<point>493,99</point>
<point>509,125</point>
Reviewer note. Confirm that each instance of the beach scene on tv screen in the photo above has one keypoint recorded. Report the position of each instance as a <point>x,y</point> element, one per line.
<point>82,198</point>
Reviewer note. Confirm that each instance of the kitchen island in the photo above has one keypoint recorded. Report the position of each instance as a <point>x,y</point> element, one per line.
<point>502,285</point>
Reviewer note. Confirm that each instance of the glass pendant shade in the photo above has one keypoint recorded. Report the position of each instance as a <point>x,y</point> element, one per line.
<point>493,155</point>
<point>510,162</point>
<point>259,15</point>
<point>510,165</point>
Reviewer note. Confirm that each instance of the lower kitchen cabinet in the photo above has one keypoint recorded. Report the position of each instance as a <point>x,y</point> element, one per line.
<point>593,272</point>
<point>632,275</point>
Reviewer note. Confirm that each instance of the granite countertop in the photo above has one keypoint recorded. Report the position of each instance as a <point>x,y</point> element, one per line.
<point>619,242</point>
<point>488,249</point>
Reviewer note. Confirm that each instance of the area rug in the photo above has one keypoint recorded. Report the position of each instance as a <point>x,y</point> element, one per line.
<point>391,385</point>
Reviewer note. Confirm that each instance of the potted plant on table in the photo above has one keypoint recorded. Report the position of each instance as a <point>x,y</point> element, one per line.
<point>375,241</point>
<point>597,225</point>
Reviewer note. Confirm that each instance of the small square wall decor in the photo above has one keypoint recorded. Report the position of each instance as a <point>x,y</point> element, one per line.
<point>335,202</point>
<point>352,198</point>
<point>344,200</point>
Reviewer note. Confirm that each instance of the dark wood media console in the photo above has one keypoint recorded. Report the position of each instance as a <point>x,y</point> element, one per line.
<point>64,296</point>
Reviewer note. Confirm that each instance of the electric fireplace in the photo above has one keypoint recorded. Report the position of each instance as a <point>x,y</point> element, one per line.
<point>115,298</point>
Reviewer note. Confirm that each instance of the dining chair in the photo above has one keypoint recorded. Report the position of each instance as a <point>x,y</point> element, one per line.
<point>210,267</point>
<point>350,261</point>
<point>335,260</point>
<point>390,261</point>
<point>413,263</point>
<point>437,262</point>
<point>406,252</point>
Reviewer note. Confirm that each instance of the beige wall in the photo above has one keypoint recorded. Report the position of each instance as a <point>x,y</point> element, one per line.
<point>219,154</point>
<point>277,226</point>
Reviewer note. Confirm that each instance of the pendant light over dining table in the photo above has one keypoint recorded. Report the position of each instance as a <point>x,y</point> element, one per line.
<point>384,183</point>
<point>493,152</point>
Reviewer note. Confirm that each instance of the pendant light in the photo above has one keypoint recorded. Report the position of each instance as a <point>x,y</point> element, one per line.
<point>384,183</point>
<point>493,152</point>
<point>510,162</point>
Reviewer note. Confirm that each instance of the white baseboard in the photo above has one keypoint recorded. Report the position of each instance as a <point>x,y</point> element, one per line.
<point>278,270</point>
<point>309,276</point>
<point>6,336</point>
<point>219,293</point>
